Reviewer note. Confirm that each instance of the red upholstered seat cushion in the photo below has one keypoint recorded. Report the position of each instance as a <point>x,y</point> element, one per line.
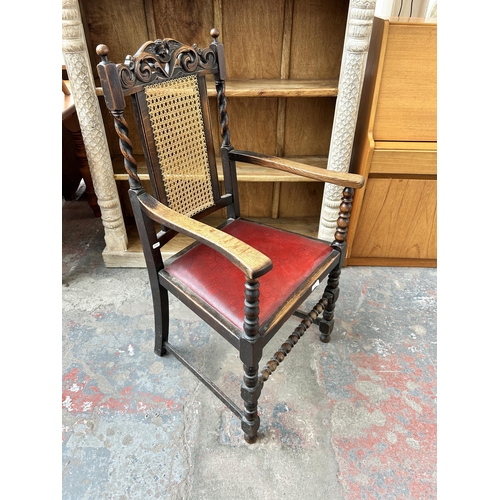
<point>222,285</point>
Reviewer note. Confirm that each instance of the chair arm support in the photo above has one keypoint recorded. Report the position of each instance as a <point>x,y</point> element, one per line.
<point>320,174</point>
<point>252,262</point>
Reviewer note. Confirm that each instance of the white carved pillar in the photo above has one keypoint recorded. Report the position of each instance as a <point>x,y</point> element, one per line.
<point>77,62</point>
<point>352,72</point>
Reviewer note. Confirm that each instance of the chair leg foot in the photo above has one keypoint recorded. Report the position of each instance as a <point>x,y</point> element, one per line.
<point>160,352</point>
<point>326,329</point>
<point>250,439</point>
<point>250,427</point>
<point>160,304</point>
<point>325,337</point>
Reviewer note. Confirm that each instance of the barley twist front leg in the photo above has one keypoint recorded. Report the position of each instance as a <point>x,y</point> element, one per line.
<point>332,287</point>
<point>250,354</point>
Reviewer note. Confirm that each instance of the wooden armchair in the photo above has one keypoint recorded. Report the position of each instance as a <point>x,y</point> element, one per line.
<point>245,279</point>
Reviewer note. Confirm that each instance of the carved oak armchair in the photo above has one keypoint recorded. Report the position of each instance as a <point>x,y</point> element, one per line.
<point>243,278</point>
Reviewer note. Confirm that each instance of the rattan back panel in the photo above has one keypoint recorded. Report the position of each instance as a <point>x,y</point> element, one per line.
<point>176,119</point>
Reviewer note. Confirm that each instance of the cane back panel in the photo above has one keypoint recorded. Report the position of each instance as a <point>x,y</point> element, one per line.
<point>179,135</point>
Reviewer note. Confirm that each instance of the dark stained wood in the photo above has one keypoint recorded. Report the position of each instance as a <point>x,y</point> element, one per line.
<point>345,215</point>
<point>250,354</point>
<point>340,243</point>
<point>207,125</point>
<point>331,294</point>
<point>152,253</point>
<point>292,340</point>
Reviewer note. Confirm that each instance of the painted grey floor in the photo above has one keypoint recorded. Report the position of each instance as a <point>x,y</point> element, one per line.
<point>352,419</point>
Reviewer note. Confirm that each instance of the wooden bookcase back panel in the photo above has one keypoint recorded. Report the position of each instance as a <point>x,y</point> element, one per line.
<point>253,123</point>
<point>252,34</point>
<point>308,126</point>
<point>317,38</point>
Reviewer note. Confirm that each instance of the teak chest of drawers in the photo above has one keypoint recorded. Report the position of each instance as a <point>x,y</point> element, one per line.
<point>394,216</point>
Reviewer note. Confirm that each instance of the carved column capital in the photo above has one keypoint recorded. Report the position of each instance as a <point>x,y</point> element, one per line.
<point>79,70</point>
<point>356,44</point>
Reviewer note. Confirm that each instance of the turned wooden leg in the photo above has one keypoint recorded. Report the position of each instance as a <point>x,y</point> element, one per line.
<point>332,287</point>
<point>250,392</point>
<point>331,294</point>
<point>250,354</point>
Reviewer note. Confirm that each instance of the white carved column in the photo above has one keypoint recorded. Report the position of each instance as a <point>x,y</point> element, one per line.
<point>77,62</point>
<point>352,72</point>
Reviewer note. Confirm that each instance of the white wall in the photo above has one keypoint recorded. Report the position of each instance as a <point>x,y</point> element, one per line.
<point>383,8</point>
<point>393,8</point>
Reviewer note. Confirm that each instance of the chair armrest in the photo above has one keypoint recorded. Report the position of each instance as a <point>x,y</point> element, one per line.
<point>252,262</point>
<point>320,174</point>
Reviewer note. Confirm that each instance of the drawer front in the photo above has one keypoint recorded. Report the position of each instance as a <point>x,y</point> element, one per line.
<point>404,161</point>
<point>397,220</point>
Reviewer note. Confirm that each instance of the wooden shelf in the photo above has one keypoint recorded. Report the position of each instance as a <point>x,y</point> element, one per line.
<point>134,257</point>
<point>273,88</point>
<point>246,173</point>
<point>278,88</point>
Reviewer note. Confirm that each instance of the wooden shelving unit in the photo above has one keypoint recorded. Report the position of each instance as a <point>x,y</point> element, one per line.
<point>283,65</point>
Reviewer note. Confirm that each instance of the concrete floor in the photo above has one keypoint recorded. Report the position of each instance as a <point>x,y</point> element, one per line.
<point>352,419</point>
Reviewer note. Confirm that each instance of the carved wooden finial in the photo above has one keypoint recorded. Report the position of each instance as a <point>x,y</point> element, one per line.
<point>215,33</point>
<point>102,50</point>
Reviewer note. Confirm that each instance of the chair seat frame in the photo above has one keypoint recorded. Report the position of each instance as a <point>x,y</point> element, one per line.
<point>168,59</point>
